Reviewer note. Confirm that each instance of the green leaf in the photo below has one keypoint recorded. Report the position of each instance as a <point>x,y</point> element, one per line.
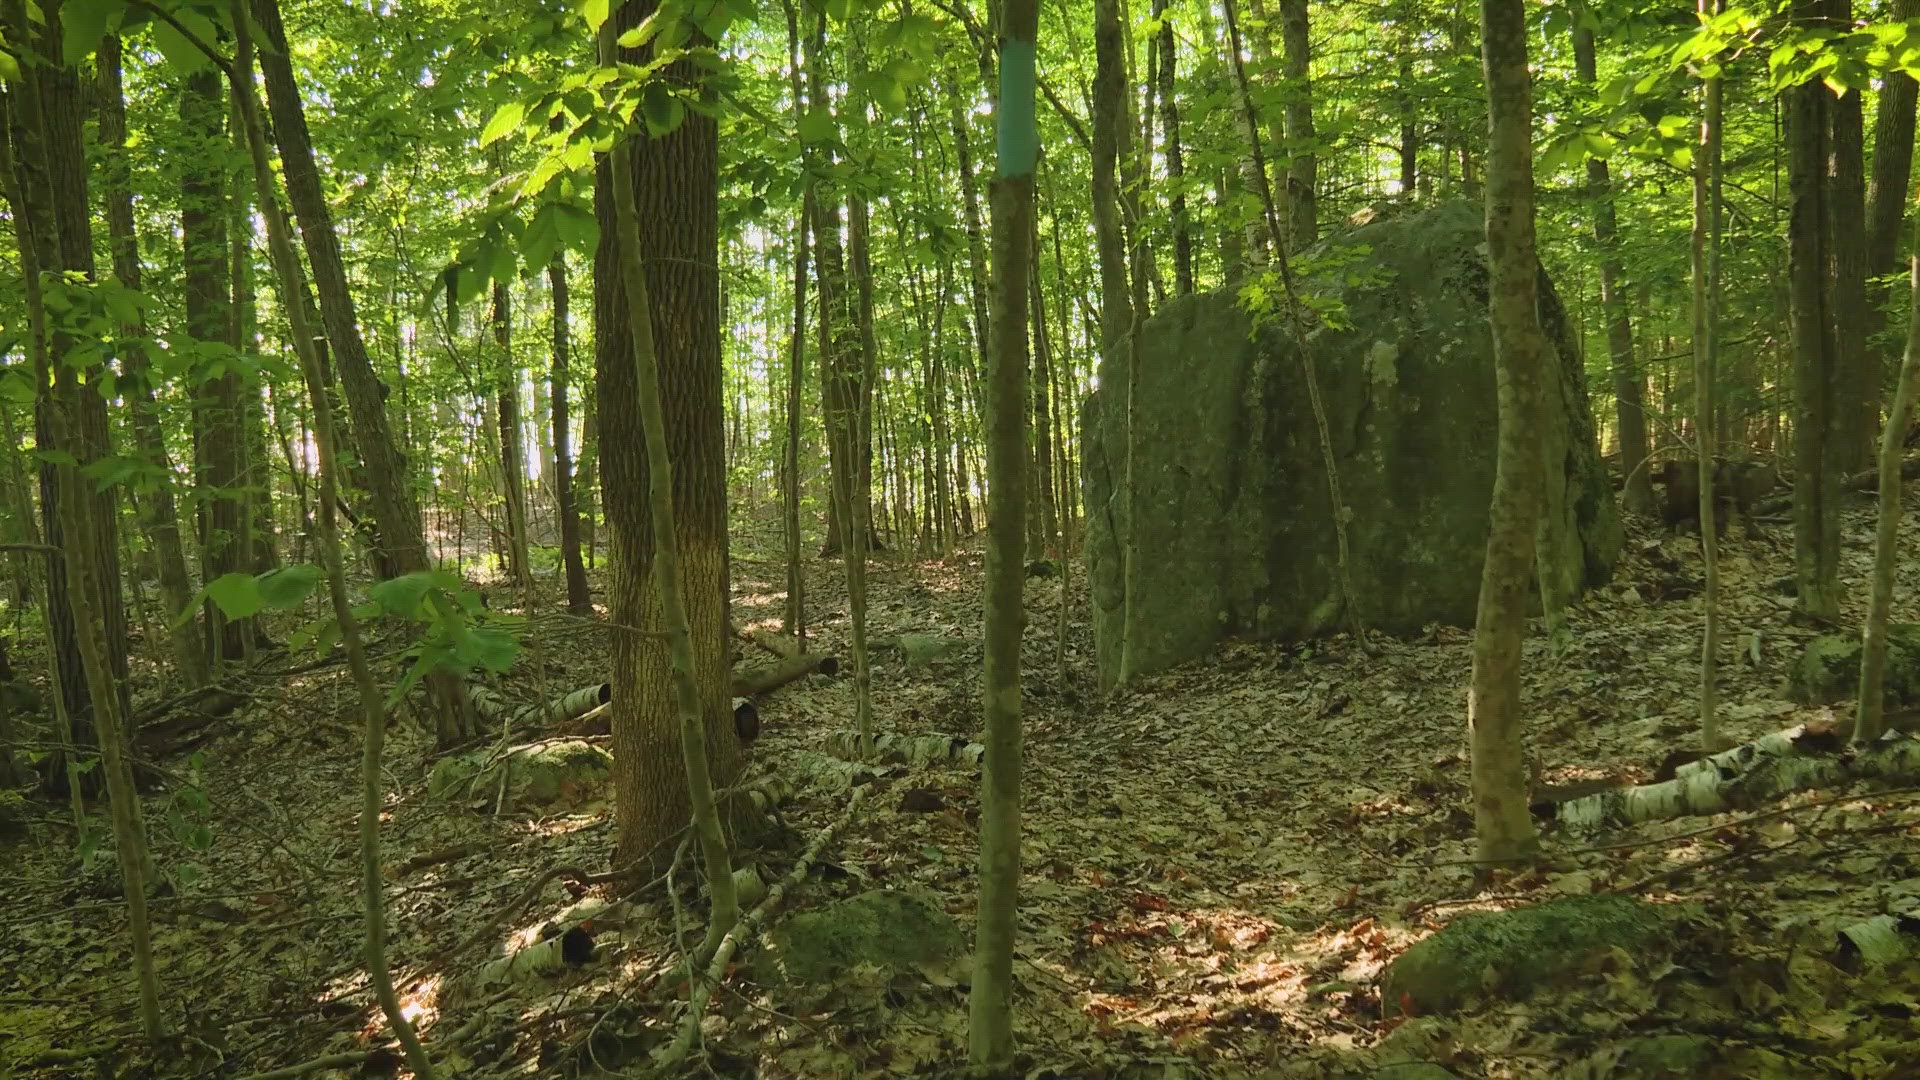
<point>289,586</point>
<point>182,54</point>
<point>506,118</point>
<point>816,125</point>
<point>82,26</point>
<point>488,648</point>
<point>595,12</point>
<point>405,595</point>
<point>663,110</point>
<point>236,595</point>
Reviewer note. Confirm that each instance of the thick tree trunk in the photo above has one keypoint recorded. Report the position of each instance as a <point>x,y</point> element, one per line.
<point>1503,829</point>
<point>219,437</point>
<point>1857,406</point>
<point>50,182</point>
<point>676,186</point>
<point>1887,193</point>
<point>1816,492</point>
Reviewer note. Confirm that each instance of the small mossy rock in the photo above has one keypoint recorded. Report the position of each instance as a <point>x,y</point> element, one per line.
<point>1829,668</point>
<point>923,649</point>
<point>547,775</point>
<point>888,930</point>
<point>1513,953</point>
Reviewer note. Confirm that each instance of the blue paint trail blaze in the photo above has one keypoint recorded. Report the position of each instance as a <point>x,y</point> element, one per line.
<point>1019,141</point>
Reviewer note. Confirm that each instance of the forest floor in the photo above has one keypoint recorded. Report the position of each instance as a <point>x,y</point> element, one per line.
<point>1219,862</point>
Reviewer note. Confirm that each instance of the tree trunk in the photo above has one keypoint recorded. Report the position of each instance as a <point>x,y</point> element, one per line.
<point>1303,168</point>
<point>794,623</point>
<point>1816,489</point>
<point>1887,190</point>
<point>1706,358</point>
<point>50,184</point>
<point>1117,325</point>
<point>1503,830</point>
<point>990,999</point>
<point>513,469</point>
<point>1870,716</point>
<point>1857,406</point>
<point>1171,150</point>
<point>160,514</point>
<point>400,545</point>
<point>219,437</point>
<point>579,594</point>
<point>1629,395</point>
<point>675,181</point>
<point>45,165</point>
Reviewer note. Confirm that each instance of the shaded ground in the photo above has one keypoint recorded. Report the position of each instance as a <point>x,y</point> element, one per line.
<point>1218,864</point>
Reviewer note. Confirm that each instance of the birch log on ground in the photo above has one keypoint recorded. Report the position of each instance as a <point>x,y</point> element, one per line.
<point>1794,759</point>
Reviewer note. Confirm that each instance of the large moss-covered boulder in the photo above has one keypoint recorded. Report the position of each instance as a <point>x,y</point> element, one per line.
<point>1230,523</point>
<point>1509,954</point>
<point>1829,669</point>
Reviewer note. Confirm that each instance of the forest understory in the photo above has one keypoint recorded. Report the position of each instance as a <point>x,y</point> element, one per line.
<point>1219,862</point>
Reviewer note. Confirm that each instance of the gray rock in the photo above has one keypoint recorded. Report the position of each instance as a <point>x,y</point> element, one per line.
<point>1234,531</point>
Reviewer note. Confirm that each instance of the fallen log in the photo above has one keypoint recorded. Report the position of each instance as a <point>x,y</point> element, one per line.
<point>755,681</point>
<point>1784,761</point>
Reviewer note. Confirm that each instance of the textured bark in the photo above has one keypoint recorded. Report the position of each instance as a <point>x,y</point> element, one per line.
<point>159,511</point>
<point>1303,163</point>
<point>219,437</point>
<point>1857,405</point>
<point>1503,829</point>
<point>579,594</point>
<point>676,185</point>
<point>1816,489</point>
<point>1887,193</point>
<point>1117,322</point>
<point>46,169</point>
<point>49,161</point>
<point>1629,393</point>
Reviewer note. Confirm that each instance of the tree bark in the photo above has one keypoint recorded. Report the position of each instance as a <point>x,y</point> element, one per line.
<point>675,183</point>
<point>990,999</point>
<point>1303,162</point>
<point>1706,357</point>
<point>579,593</point>
<point>160,515</point>
<point>1816,491</point>
<point>1503,829</point>
<point>1117,325</point>
<point>1171,150</point>
<point>513,470</point>
<point>400,545</point>
<point>1629,393</point>
<point>1857,406</point>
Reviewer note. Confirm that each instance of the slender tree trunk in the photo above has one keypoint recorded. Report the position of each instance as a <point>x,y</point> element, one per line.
<point>1171,149</point>
<point>990,1000</point>
<point>1117,325</point>
<point>675,180</point>
<point>587,492</point>
<point>1857,406</point>
<point>1503,829</point>
<point>795,621</point>
<point>1628,387</point>
<point>513,470</point>
<point>400,546</point>
<point>1042,428</point>
<point>579,594</point>
<point>1887,191</point>
<point>160,514</point>
<point>1870,720</point>
<point>1706,357</point>
<point>372,715</point>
